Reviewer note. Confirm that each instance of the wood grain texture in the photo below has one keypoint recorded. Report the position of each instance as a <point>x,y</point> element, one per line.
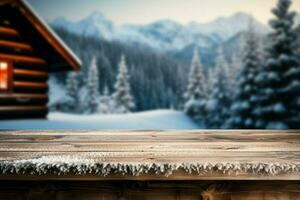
<point>24,72</point>
<point>27,84</point>
<point>22,108</point>
<point>8,31</point>
<point>11,96</point>
<point>15,45</point>
<point>150,190</point>
<point>212,155</point>
<point>23,59</point>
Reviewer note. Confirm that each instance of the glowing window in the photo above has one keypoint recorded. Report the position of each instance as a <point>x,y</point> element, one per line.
<point>4,76</point>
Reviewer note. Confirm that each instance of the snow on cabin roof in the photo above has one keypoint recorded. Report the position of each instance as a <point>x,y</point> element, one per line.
<point>42,27</point>
<point>45,25</point>
<point>227,155</point>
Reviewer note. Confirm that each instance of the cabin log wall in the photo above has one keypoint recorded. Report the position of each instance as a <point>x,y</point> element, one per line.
<point>28,97</point>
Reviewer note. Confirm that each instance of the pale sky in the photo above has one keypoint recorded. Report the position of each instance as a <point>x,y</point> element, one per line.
<point>146,11</point>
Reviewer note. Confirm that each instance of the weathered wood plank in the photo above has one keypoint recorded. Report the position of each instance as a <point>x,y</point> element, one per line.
<point>31,66</point>
<point>8,31</point>
<point>24,72</point>
<point>213,155</point>
<point>22,95</point>
<point>21,112</point>
<point>152,136</point>
<point>149,190</point>
<point>160,157</point>
<point>27,84</point>
<point>22,108</point>
<point>146,146</point>
<point>15,45</point>
<point>170,133</point>
<point>24,59</point>
<point>19,99</point>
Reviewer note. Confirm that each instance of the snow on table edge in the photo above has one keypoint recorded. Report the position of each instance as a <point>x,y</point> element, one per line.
<point>64,165</point>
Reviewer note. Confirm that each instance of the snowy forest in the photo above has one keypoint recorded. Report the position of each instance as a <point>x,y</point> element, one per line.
<point>250,80</point>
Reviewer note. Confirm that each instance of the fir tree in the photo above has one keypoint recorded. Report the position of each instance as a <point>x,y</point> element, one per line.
<point>217,106</point>
<point>72,92</point>
<point>122,98</point>
<point>210,81</point>
<point>297,30</point>
<point>196,90</point>
<point>235,68</point>
<point>105,106</point>
<point>279,81</point>
<point>92,98</point>
<point>245,101</point>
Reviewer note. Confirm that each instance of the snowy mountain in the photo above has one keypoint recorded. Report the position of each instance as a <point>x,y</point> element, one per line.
<point>297,20</point>
<point>227,27</point>
<point>164,35</point>
<point>95,25</point>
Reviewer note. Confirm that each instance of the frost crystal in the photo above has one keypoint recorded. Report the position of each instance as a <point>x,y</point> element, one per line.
<point>92,164</point>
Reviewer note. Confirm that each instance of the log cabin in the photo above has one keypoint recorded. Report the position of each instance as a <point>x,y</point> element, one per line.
<point>29,51</point>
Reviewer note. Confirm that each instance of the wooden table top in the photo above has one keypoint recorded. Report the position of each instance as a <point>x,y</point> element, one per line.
<point>150,155</point>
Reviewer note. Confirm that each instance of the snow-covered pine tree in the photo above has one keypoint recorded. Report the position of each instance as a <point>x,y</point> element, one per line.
<point>235,67</point>
<point>279,81</point>
<point>92,98</point>
<point>297,30</point>
<point>217,106</point>
<point>72,90</point>
<point>210,81</point>
<point>123,100</point>
<point>196,91</point>
<point>106,105</point>
<point>245,100</point>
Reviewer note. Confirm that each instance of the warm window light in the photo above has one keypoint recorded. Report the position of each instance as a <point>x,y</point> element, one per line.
<point>3,76</point>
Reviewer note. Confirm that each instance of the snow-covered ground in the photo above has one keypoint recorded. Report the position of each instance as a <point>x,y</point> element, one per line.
<point>151,120</point>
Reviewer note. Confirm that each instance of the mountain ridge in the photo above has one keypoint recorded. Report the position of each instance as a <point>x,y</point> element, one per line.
<point>163,35</point>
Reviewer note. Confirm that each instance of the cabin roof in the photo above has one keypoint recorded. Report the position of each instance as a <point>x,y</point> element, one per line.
<point>31,26</point>
<point>151,155</point>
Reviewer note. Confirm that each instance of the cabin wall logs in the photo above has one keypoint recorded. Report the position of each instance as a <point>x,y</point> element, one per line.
<point>150,190</point>
<point>28,96</point>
